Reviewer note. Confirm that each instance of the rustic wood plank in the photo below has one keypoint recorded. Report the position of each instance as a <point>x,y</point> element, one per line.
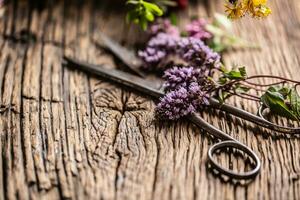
<point>66,134</point>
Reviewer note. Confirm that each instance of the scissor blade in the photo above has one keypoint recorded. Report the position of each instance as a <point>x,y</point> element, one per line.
<point>123,78</point>
<point>127,56</point>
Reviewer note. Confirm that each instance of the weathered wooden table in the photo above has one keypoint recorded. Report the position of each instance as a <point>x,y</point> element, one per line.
<point>67,134</point>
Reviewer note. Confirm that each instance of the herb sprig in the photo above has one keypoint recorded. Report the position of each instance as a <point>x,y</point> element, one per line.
<point>281,99</point>
<point>142,12</point>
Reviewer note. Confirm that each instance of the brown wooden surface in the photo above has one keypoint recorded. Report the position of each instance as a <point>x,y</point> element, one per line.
<point>65,134</point>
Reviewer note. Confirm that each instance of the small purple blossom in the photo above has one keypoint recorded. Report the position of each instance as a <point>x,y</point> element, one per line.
<point>199,95</point>
<point>175,104</point>
<point>165,26</point>
<point>187,90</point>
<point>163,40</point>
<point>180,77</point>
<point>158,48</point>
<point>197,53</point>
<point>152,55</point>
<point>196,29</point>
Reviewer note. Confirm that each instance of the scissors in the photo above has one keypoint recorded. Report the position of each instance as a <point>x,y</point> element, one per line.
<point>144,86</point>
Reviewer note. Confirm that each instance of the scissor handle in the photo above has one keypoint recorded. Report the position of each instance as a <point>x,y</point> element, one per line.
<point>230,173</point>
<point>228,141</point>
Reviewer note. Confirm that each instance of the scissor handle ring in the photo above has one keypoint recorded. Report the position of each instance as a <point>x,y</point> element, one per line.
<point>284,129</point>
<point>235,175</point>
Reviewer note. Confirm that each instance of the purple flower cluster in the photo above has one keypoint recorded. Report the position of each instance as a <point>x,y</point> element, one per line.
<point>187,88</point>
<point>195,52</point>
<point>180,77</point>
<point>191,50</point>
<point>158,48</point>
<point>196,29</point>
<point>186,92</point>
<point>174,104</point>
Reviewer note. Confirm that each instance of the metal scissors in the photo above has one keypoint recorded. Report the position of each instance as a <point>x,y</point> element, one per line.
<point>146,87</point>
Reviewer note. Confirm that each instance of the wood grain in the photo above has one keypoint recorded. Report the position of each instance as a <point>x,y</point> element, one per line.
<point>66,134</point>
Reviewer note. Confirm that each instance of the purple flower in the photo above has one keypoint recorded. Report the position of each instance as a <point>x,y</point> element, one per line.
<point>196,29</point>
<point>187,90</point>
<point>158,48</point>
<point>198,94</point>
<point>152,55</point>
<point>181,102</point>
<point>180,77</point>
<point>165,26</point>
<point>175,104</point>
<point>163,40</point>
<point>194,51</point>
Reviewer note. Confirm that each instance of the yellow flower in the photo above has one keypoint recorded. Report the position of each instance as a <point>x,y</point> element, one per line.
<point>259,2</point>
<point>235,11</point>
<point>238,8</point>
<point>261,11</point>
<point>258,8</point>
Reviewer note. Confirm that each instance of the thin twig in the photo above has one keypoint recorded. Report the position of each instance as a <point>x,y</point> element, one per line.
<point>265,85</point>
<point>275,77</point>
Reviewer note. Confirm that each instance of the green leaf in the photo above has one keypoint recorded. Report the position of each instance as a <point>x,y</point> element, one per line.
<point>153,8</point>
<point>223,95</point>
<point>133,2</point>
<point>142,12</point>
<point>243,72</point>
<point>241,89</point>
<point>295,102</point>
<point>149,16</point>
<point>222,80</point>
<point>235,75</point>
<point>275,101</point>
<point>223,68</point>
<point>285,91</point>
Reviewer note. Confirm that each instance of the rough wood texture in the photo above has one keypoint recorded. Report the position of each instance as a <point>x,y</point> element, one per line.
<point>65,134</point>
